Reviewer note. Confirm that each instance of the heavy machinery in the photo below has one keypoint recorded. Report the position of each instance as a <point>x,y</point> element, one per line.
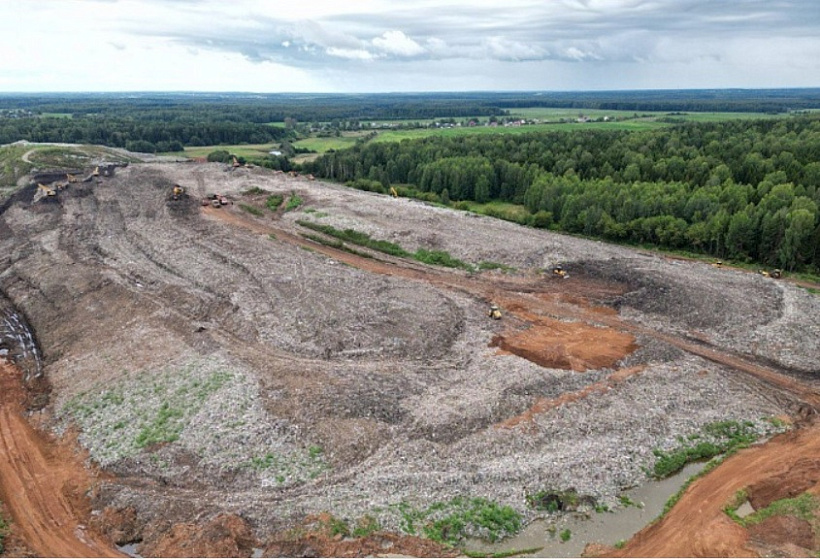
<point>47,189</point>
<point>393,192</point>
<point>494,312</point>
<point>215,200</point>
<point>559,272</point>
<point>177,192</point>
<point>777,273</point>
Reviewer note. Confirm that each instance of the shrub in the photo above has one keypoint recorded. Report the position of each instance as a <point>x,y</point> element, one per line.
<point>219,156</point>
<point>274,201</point>
<point>565,534</point>
<point>293,202</point>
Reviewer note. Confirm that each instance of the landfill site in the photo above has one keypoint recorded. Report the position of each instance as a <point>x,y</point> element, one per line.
<point>188,370</point>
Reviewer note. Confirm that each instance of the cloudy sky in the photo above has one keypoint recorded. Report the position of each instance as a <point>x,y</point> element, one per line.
<point>413,45</point>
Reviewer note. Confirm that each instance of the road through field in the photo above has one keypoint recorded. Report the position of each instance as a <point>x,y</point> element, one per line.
<point>41,482</point>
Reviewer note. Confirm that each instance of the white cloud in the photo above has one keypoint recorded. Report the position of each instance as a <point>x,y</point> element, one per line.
<point>350,54</point>
<point>396,42</point>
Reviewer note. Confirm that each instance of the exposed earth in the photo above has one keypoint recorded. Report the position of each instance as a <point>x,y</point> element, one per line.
<point>234,386</point>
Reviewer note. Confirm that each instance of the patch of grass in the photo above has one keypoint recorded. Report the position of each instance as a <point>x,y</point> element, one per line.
<point>440,258</point>
<point>565,535</point>
<point>449,522</point>
<point>365,526</point>
<point>4,531</point>
<point>723,436</point>
<point>627,502</point>
<point>502,554</point>
<point>740,497</point>
<point>435,257</point>
<point>803,507</point>
<point>553,501</point>
<point>252,210</point>
<point>335,243</point>
<point>164,428</point>
<point>487,265</point>
<point>253,191</point>
<point>356,238</point>
<point>620,544</point>
<point>274,201</point>
<point>293,202</point>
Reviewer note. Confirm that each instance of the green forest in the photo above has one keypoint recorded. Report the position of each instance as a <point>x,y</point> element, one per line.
<point>741,190</point>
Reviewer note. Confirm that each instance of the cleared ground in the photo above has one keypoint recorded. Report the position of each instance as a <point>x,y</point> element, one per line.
<point>216,362</point>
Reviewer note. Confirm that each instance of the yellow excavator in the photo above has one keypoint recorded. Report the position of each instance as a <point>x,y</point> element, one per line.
<point>494,312</point>
<point>177,193</point>
<point>47,189</point>
<point>393,192</point>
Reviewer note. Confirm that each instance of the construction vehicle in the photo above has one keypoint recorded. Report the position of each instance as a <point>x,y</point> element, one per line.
<point>216,201</point>
<point>494,312</point>
<point>777,273</point>
<point>96,172</point>
<point>393,192</point>
<point>559,272</point>
<point>718,264</point>
<point>236,162</point>
<point>47,189</point>
<point>177,192</point>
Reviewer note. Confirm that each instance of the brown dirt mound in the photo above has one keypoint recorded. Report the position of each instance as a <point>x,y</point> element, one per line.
<point>42,482</point>
<point>800,476</point>
<point>697,525</point>
<point>315,539</point>
<point>779,530</point>
<point>544,404</point>
<point>222,536</point>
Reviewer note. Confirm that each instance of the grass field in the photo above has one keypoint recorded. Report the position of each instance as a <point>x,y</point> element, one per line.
<point>548,114</point>
<point>243,150</point>
<point>322,145</point>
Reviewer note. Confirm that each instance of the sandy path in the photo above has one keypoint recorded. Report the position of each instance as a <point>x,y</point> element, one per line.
<point>35,476</point>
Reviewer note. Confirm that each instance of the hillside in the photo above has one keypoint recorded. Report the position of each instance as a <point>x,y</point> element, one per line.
<point>224,370</point>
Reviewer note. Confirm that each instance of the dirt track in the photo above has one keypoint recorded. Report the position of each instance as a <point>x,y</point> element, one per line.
<point>42,482</point>
<point>294,378</point>
<point>698,527</point>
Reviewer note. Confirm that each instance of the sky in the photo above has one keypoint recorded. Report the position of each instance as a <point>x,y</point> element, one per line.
<point>343,46</point>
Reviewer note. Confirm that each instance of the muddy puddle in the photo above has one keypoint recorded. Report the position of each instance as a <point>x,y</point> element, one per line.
<point>606,528</point>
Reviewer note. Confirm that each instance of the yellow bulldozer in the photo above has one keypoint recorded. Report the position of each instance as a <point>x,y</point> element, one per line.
<point>559,272</point>
<point>777,273</point>
<point>494,312</point>
<point>177,192</point>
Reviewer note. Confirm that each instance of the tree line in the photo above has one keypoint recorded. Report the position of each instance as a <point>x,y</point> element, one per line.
<point>746,190</point>
<point>149,136</point>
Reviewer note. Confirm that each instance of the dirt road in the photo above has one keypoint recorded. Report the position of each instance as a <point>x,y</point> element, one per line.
<point>42,482</point>
<point>697,525</point>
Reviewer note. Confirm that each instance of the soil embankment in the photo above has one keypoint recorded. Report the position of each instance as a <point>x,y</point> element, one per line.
<point>43,482</point>
<point>698,527</point>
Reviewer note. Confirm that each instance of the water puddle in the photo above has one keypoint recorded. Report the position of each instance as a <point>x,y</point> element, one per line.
<point>606,528</point>
<point>129,549</point>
